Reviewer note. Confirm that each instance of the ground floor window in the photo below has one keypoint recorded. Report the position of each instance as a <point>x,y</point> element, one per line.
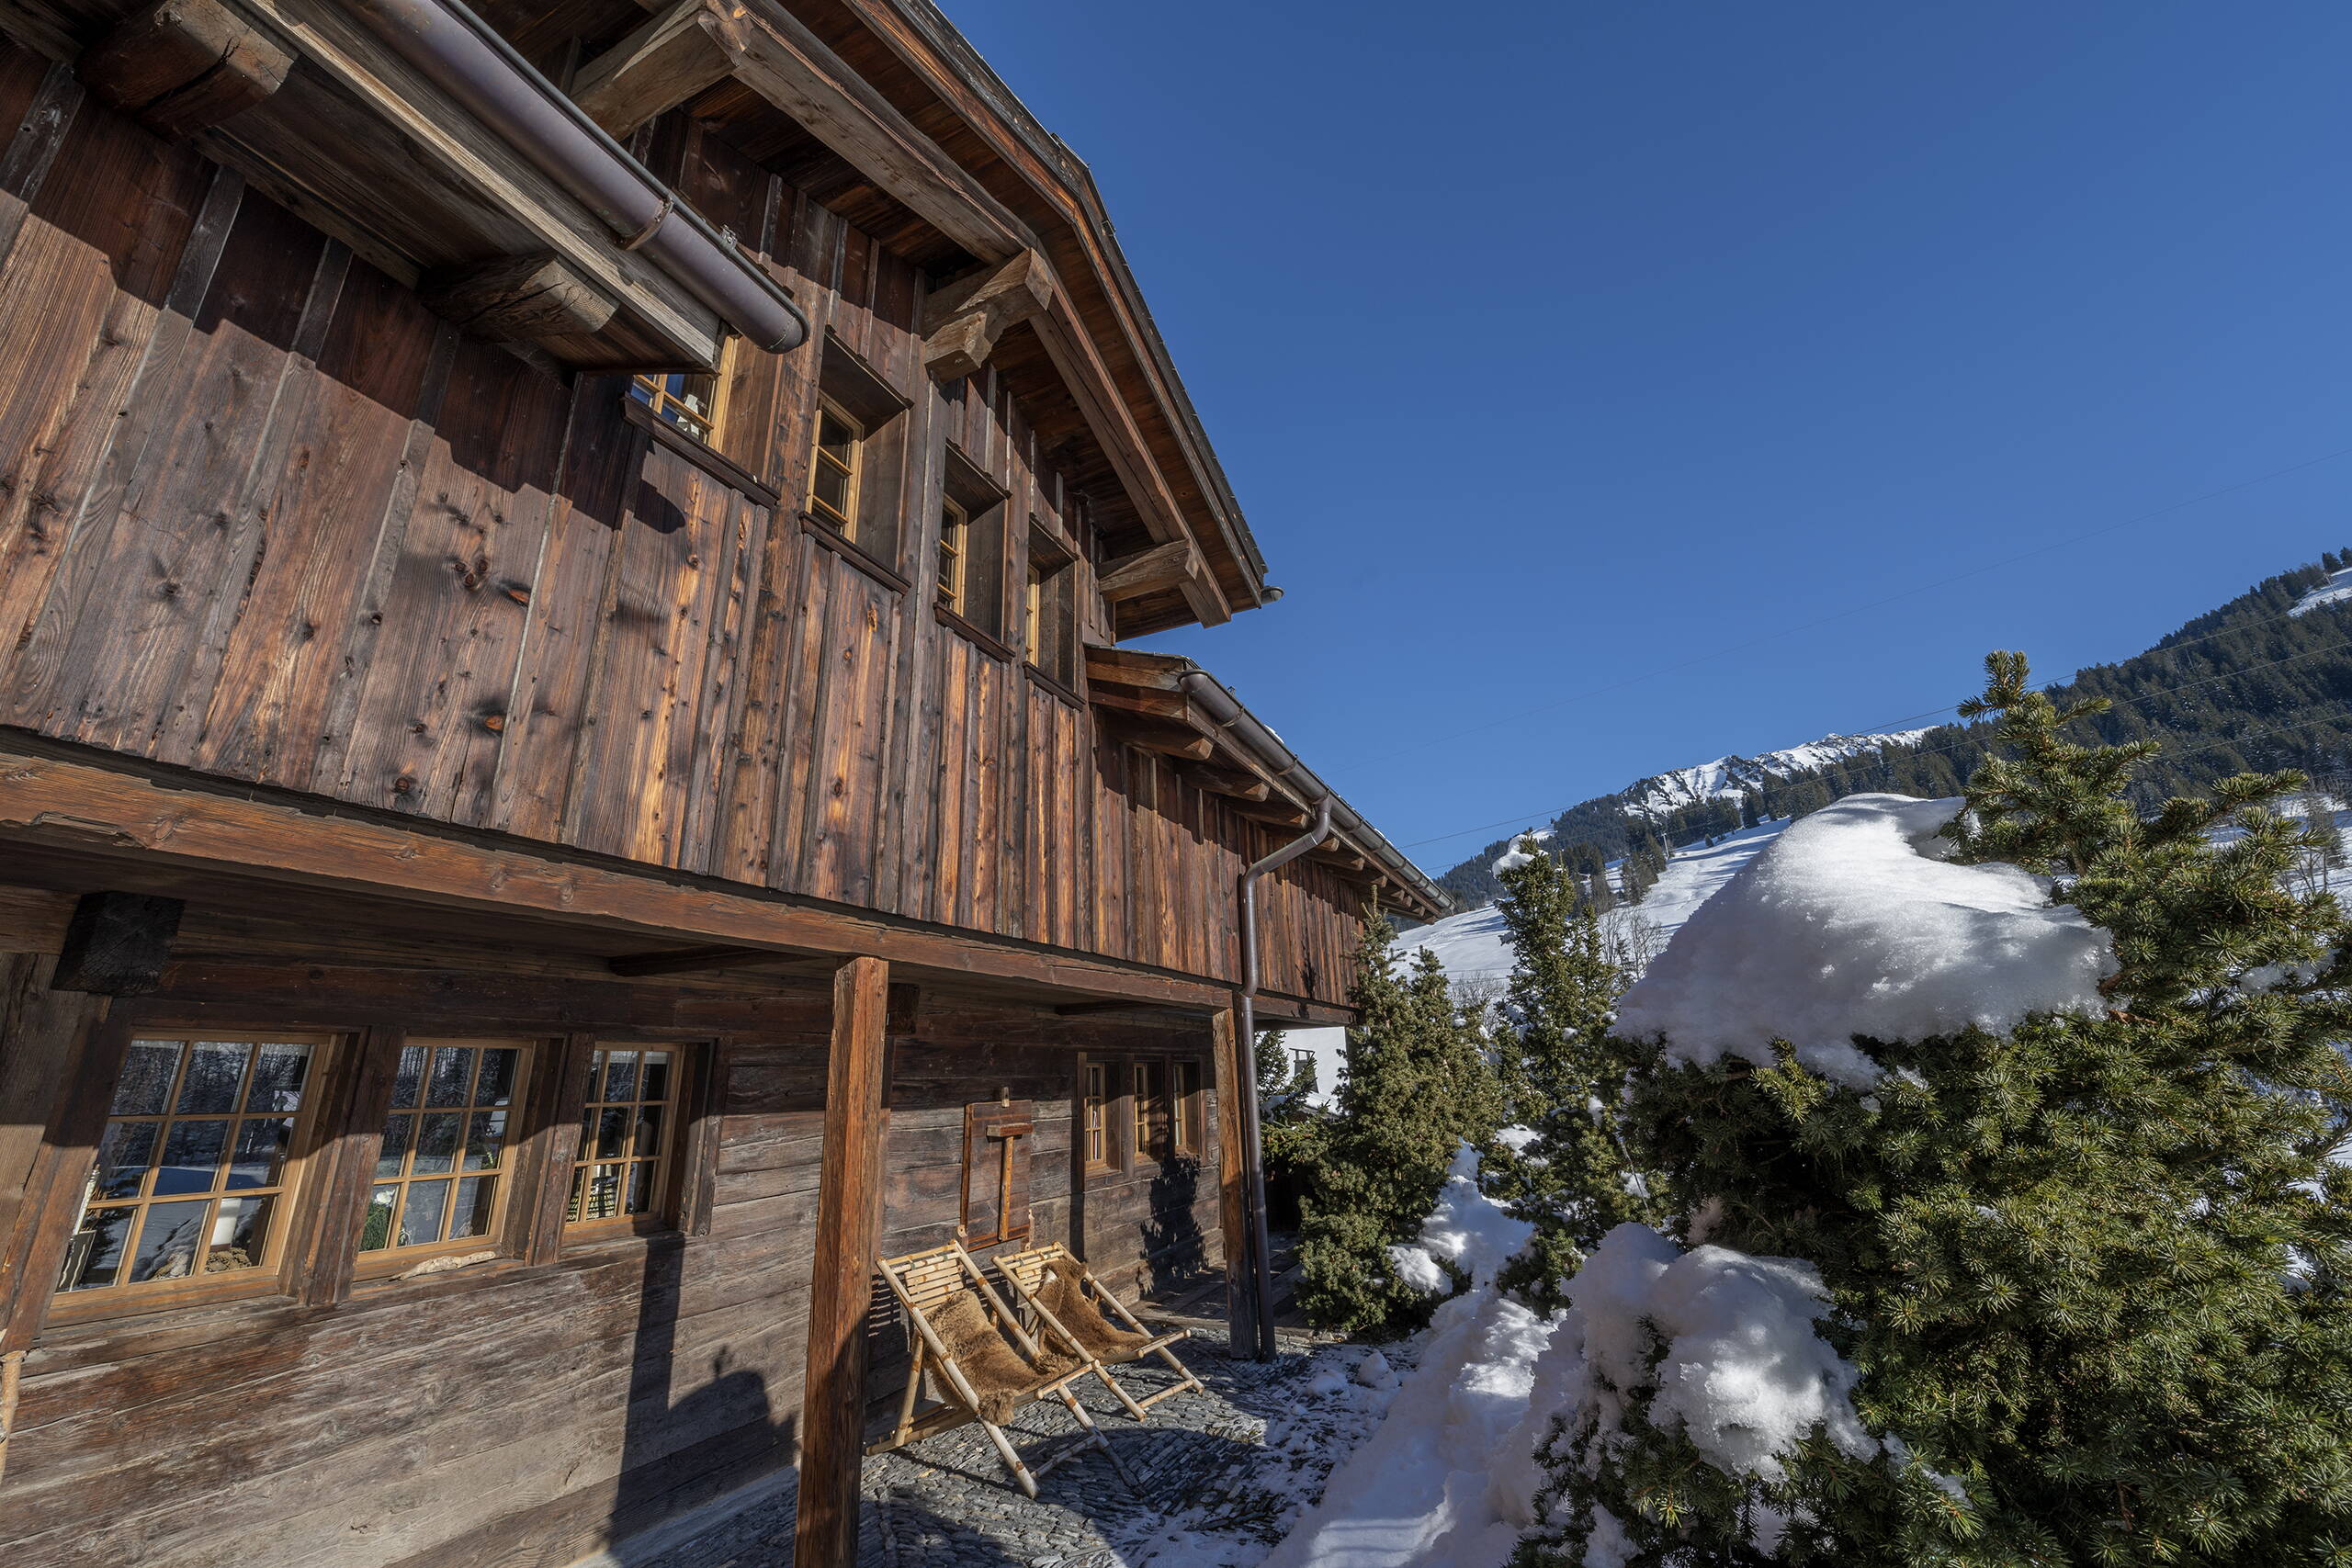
<point>626,1122</point>
<point>195,1168</point>
<point>439,1167</point>
<point>1191,1110</point>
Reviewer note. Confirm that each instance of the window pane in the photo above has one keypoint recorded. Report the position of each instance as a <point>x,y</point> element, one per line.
<point>604,1196</point>
<point>421,1215</point>
<point>127,1150</point>
<point>277,1078</point>
<point>453,1071</point>
<point>436,1144</point>
<point>477,1196</point>
<point>485,1140</point>
<point>376,1231</point>
<point>167,1242</point>
<point>191,1156</point>
<point>649,1131</point>
<point>612,1131</point>
<point>596,1072</point>
<point>94,1257</point>
<point>835,440</point>
<point>262,1143</point>
<point>214,1072</point>
<point>497,1085</point>
<point>620,1076</point>
<point>831,487</point>
<point>408,1083</point>
<point>146,1079</point>
<point>571,1211</point>
<point>240,1235</point>
<point>641,1186</point>
<point>398,1132</point>
<point>657,1075</point>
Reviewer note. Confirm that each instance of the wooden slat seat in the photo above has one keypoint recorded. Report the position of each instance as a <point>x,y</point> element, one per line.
<point>944,1287</point>
<point>1101,1343</point>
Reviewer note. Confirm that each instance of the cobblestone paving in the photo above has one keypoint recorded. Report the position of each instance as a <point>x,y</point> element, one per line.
<point>1218,1476</point>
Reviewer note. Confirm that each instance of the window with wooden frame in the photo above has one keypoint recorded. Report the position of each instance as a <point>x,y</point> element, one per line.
<point>689,400</point>
<point>833,468</point>
<point>1151,1087</point>
<point>955,554</point>
<point>857,458</point>
<point>197,1169</point>
<point>441,1180</point>
<point>1049,639</point>
<point>1094,1123</point>
<point>624,1173</point>
<point>975,506</point>
<point>1192,1117</point>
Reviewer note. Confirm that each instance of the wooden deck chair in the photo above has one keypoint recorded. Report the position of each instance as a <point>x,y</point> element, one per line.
<point>1056,1286</point>
<point>985,1365</point>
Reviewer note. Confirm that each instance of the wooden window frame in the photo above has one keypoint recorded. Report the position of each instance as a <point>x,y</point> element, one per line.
<point>1049,636</point>
<point>675,1207</point>
<point>842,521</point>
<point>955,553</point>
<point>647,389</point>
<point>1188,1106</point>
<point>1094,1102</point>
<point>1147,1115</point>
<point>512,1173</point>
<point>297,1190</point>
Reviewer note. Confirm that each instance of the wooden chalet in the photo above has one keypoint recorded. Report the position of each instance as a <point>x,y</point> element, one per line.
<point>567,775</point>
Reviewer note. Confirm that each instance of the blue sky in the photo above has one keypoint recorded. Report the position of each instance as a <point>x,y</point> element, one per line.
<point>1676,357</point>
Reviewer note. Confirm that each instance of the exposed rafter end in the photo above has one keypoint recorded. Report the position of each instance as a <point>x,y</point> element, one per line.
<point>183,65</point>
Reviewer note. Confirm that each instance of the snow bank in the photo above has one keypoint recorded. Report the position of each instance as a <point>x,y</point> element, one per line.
<point>1467,1229</point>
<point>2334,591</point>
<point>1850,923</point>
<point>1744,1375</point>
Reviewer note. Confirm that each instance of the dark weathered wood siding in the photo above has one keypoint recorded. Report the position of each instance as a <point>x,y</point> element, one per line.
<point>263,515</point>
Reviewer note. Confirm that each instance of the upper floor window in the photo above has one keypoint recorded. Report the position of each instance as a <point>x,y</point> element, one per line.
<point>195,1168</point>
<point>439,1167</point>
<point>688,400</point>
<point>833,470</point>
<point>1049,631</point>
<point>955,554</point>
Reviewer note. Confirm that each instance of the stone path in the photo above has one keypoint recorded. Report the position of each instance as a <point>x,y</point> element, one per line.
<point>1219,1476</point>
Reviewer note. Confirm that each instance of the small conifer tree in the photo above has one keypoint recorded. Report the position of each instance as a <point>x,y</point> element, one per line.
<point>1416,1087</point>
<point>2094,1272</point>
<point>1575,1177</point>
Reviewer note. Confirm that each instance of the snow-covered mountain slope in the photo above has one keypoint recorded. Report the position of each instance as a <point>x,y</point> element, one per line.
<point>1473,945</point>
<point>1728,778</point>
<point>2334,591</point>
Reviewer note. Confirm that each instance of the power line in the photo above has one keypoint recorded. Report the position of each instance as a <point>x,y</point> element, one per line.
<point>1853,610</point>
<point>1953,746</point>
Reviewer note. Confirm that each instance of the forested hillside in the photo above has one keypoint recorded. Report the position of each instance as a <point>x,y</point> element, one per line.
<point>2264,681</point>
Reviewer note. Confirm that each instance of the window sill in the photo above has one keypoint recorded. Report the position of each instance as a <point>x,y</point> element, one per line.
<point>1039,678</point>
<point>827,535</point>
<point>970,633</point>
<point>701,453</point>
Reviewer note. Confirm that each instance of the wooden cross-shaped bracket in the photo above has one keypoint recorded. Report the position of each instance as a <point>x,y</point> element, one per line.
<point>962,321</point>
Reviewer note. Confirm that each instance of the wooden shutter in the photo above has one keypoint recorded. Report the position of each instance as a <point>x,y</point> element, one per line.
<point>996,1171</point>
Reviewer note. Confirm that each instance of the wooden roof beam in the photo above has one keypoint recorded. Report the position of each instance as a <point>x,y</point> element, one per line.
<point>1158,735</point>
<point>182,65</point>
<point>673,59</point>
<point>776,55</point>
<point>962,321</point>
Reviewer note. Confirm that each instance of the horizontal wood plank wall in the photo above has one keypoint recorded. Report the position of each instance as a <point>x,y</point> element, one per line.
<point>263,515</point>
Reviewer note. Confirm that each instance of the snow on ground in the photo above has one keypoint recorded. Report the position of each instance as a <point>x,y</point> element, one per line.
<point>2334,591</point>
<point>1472,945</point>
<point>1853,922</point>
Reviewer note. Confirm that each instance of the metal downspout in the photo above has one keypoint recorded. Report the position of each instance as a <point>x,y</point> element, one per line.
<point>1253,1170</point>
<point>468,60</point>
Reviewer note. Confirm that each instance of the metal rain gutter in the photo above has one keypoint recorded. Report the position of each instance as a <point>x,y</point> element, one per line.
<point>1225,709</point>
<point>1253,1166</point>
<point>468,61</point>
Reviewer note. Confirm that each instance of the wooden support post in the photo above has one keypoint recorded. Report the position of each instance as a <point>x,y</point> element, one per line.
<point>849,1202</point>
<point>1232,1209</point>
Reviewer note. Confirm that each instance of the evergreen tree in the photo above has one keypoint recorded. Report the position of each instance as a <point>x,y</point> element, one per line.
<point>2094,1272</point>
<point>1417,1086</point>
<point>1574,1180</point>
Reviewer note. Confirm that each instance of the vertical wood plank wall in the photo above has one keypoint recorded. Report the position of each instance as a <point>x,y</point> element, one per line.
<point>263,515</point>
